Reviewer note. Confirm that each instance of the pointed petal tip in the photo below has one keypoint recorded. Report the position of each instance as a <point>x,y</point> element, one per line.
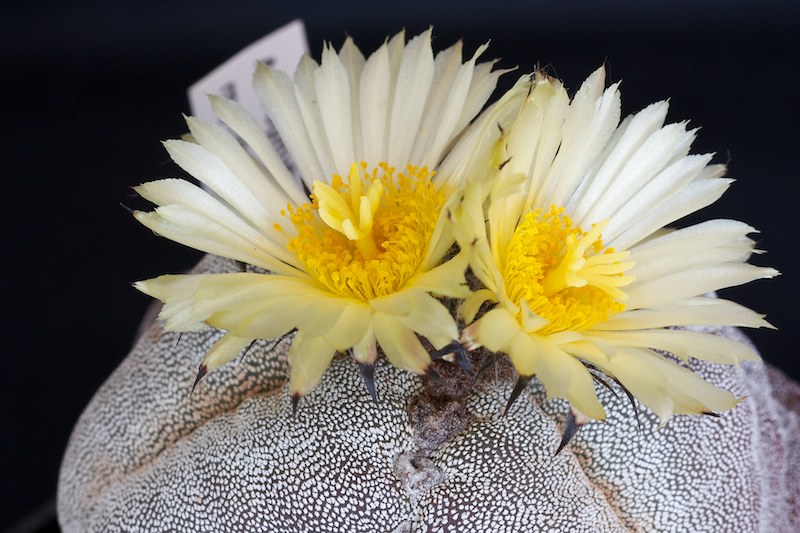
<point>368,375</point>
<point>295,401</point>
<point>522,382</point>
<point>464,362</point>
<point>200,373</point>
<point>574,423</point>
<point>570,429</point>
<point>453,347</point>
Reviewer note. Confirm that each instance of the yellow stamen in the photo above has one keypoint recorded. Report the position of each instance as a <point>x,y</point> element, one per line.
<point>369,237</point>
<point>563,274</point>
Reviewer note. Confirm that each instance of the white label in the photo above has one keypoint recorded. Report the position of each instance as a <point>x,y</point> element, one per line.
<point>281,49</point>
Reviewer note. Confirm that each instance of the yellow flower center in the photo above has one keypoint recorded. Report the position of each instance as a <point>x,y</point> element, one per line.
<point>563,273</point>
<point>371,234</point>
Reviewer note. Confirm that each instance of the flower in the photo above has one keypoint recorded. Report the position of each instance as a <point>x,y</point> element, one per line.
<point>354,263</point>
<point>577,259</point>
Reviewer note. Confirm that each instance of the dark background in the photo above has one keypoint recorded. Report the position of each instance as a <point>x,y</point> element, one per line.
<point>88,92</point>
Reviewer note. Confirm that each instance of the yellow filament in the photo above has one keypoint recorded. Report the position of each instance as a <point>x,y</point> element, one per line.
<point>563,273</point>
<point>367,238</point>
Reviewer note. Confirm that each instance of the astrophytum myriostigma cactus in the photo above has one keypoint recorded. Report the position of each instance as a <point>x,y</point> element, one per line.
<point>149,456</point>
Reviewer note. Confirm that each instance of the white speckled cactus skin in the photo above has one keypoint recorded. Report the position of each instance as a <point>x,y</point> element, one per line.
<point>148,456</point>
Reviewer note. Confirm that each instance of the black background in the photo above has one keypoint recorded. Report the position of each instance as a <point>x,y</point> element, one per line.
<point>88,92</point>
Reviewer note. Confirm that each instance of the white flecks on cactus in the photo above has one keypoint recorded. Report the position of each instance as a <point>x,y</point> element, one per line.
<point>148,455</point>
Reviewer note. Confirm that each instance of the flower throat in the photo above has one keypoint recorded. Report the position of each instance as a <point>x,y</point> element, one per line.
<point>368,237</point>
<point>563,273</point>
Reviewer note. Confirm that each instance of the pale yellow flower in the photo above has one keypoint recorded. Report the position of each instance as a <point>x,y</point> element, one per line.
<point>569,240</point>
<point>355,266</point>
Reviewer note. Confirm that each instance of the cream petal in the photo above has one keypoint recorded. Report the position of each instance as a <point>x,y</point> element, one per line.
<point>697,311</point>
<point>442,99</point>
<point>554,367</point>
<point>643,166</point>
<point>306,94</point>
<point>522,352</point>
<point>504,215</point>
<point>593,85</point>
<point>210,170</point>
<point>471,305</point>
<point>374,104</point>
<point>523,139</point>
<point>444,107</point>
<point>238,293</point>
<point>668,182</point>
<point>685,344</point>
<point>252,175</point>
<point>276,94</point>
<point>264,319</point>
<point>470,232</point>
<point>597,346</point>
<point>353,62</point>
<point>644,339</point>
<point>180,192</point>
<point>581,392</point>
<point>633,132</point>
<point>694,282</point>
<point>717,232</point>
<point>191,229</point>
<point>396,51</point>
<point>441,239</point>
<point>496,329</point>
<point>308,360</point>
<point>432,320</point>
<point>268,285</point>
<point>712,172</point>
<point>223,298</point>
<point>224,351</point>
<point>583,143</point>
<point>170,286</point>
<point>175,292</point>
<point>637,374</point>
<point>333,94</point>
<point>693,396</point>
<point>482,85</point>
<point>400,344</point>
<point>555,114</point>
<point>468,161</point>
<point>397,304</point>
<point>531,322</point>
<point>582,188</point>
<point>243,123</point>
<point>684,145</point>
<point>365,351</point>
<point>447,279</point>
<point>691,198</point>
<point>229,291</point>
<point>351,326</point>
<point>321,316</point>
<point>411,91</point>
<point>653,270</point>
<point>690,393</point>
<point>565,337</point>
<point>447,65</point>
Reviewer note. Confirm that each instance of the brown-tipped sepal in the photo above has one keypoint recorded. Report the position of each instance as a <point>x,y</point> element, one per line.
<point>200,373</point>
<point>522,382</point>
<point>455,350</point>
<point>575,420</point>
<point>295,401</point>
<point>368,375</point>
